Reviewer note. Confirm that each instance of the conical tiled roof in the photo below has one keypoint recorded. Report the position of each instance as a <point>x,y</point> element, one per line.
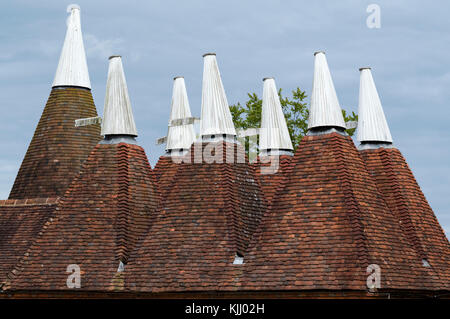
<point>398,186</point>
<point>210,214</point>
<point>179,137</point>
<point>58,148</point>
<point>327,225</point>
<point>271,172</point>
<point>405,199</point>
<point>107,209</point>
<point>165,171</point>
<point>209,223</point>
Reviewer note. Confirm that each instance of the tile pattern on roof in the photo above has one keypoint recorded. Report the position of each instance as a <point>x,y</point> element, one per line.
<point>271,172</point>
<point>328,224</point>
<point>210,214</point>
<point>165,171</point>
<point>107,209</point>
<point>20,223</point>
<point>405,199</point>
<point>58,148</point>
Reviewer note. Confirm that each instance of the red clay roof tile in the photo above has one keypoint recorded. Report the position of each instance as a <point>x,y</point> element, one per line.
<point>405,199</point>
<point>328,224</point>
<point>107,209</point>
<point>210,214</point>
<point>58,148</point>
<point>19,226</point>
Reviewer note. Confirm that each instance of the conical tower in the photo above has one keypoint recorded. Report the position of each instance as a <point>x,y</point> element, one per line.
<point>398,186</point>
<point>214,201</point>
<point>106,211</point>
<point>180,136</point>
<point>328,224</point>
<point>324,112</point>
<point>216,121</point>
<point>275,144</point>
<point>58,148</point>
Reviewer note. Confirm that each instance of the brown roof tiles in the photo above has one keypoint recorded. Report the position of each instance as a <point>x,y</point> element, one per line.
<point>405,199</point>
<point>271,172</point>
<point>209,216</point>
<point>107,209</point>
<point>20,223</point>
<point>327,215</point>
<point>328,224</point>
<point>58,148</point>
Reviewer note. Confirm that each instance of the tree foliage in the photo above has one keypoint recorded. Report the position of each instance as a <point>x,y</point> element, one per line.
<point>295,111</point>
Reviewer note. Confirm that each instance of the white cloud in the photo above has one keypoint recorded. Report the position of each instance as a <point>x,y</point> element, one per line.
<point>102,49</point>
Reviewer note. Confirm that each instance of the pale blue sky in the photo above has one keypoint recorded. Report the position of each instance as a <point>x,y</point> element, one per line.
<point>158,40</point>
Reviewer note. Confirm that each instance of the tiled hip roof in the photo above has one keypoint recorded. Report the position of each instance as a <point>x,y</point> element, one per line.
<point>165,170</point>
<point>58,148</point>
<point>210,214</point>
<point>405,199</point>
<point>328,225</point>
<point>107,209</point>
<point>20,223</point>
<point>271,172</point>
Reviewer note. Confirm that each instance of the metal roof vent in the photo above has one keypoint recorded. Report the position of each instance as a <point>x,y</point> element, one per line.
<point>324,111</point>
<point>238,260</point>
<point>216,115</point>
<point>181,133</point>
<point>372,125</point>
<point>121,267</point>
<point>425,263</point>
<point>274,134</point>
<point>118,117</point>
<point>72,66</point>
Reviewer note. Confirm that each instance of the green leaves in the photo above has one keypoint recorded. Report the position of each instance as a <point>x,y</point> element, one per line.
<point>350,118</point>
<point>295,111</point>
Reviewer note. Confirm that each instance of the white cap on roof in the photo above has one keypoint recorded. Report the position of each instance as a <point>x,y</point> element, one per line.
<point>72,67</point>
<point>274,133</point>
<point>324,110</point>
<point>117,114</point>
<point>372,125</point>
<point>216,116</point>
<point>180,136</point>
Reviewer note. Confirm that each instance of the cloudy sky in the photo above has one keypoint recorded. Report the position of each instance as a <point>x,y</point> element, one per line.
<point>409,56</point>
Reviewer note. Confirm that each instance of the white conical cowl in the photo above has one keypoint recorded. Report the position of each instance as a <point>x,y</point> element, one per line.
<point>274,132</point>
<point>372,125</point>
<point>216,116</point>
<point>180,136</point>
<point>72,67</point>
<point>324,110</point>
<point>117,114</point>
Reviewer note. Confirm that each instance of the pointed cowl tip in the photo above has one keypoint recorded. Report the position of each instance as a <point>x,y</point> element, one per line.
<point>274,132</point>
<point>117,114</point>
<point>324,110</point>
<point>216,116</point>
<point>72,67</point>
<point>180,136</point>
<point>372,124</point>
